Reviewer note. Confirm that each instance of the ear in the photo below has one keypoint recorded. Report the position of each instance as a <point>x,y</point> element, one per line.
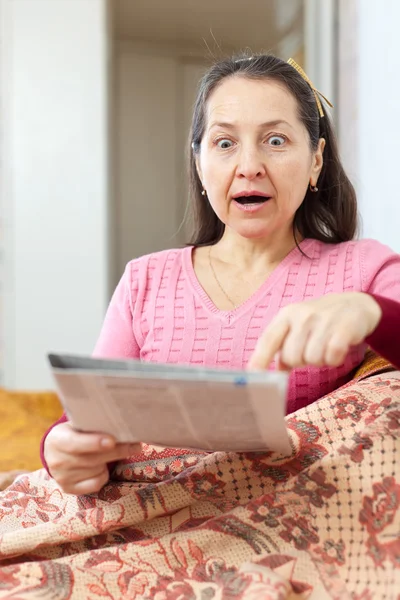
<point>318,162</point>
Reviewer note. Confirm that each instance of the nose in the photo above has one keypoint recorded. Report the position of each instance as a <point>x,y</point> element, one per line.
<point>251,165</point>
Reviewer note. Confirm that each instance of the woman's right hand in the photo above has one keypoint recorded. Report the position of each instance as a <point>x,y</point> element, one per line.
<point>78,461</point>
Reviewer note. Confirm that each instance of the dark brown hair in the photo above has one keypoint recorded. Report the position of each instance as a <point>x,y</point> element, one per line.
<point>329,215</point>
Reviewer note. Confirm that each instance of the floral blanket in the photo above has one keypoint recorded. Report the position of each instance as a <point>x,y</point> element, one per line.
<point>323,523</point>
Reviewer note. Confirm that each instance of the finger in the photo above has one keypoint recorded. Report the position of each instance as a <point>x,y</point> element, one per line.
<point>337,348</point>
<point>315,349</point>
<point>69,478</point>
<point>63,461</point>
<point>75,442</point>
<point>121,451</point>
<point>280,365</point>
<point>87,486</point>
<point>292,354</point>
<point>269,344</point>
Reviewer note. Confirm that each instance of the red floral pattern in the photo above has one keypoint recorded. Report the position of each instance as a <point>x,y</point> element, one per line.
<point>356,452</point>
<point>352,407</point>
<point>394,419</point>
<point>299,532</point>
<point>267,511</point>
<point>315,487</point>
<point>202,579</point>
<point>205,484</point>
<point>380,515</point>
<point>377,409</point>
<point>176,525</point>
<point>332,552</point>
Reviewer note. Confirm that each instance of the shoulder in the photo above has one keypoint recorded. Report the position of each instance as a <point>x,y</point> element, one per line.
<point>155,260</point>
<point>364,258</point>
<point>369,248</point>
<point>378,261</point>
<point>363,249</point>
<point>328,255</point>
<point>142,271</point>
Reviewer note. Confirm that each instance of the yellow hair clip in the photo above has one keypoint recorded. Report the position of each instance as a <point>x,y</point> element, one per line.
<point>317,94</point>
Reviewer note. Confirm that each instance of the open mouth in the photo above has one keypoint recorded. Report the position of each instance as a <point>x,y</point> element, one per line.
<point>251,199</point>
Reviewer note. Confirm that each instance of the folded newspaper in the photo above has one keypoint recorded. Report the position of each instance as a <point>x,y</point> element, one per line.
<point>174,406</point>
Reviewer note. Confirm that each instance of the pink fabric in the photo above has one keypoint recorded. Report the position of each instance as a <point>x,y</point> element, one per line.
<point>160,313</point>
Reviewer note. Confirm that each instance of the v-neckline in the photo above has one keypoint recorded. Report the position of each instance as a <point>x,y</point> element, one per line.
<point>269,282</point>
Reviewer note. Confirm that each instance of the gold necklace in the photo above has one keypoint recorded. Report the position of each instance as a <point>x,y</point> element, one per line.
<point>235,306</point>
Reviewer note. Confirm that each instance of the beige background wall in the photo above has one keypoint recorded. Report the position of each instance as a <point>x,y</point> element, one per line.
<point>154,95</point>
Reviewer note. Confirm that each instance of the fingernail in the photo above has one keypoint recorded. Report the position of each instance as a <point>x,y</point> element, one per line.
<point>107,443</point>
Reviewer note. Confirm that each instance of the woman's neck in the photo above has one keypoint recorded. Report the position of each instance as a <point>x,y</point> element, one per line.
<point>254,254</point>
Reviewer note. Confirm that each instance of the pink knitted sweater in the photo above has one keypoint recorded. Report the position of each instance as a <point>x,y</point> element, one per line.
<point>159,311</point>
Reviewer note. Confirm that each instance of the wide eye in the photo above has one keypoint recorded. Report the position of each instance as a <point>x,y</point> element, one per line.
<point>276,140</point>
<point>224,143</point>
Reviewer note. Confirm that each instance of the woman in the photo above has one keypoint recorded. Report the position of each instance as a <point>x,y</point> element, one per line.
<point>276,218</point>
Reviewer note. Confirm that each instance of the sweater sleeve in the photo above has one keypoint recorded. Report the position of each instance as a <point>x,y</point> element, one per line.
<point>116,338</point>
<point>380,270</point>
<point>380,277</point>
<point>384,340</point>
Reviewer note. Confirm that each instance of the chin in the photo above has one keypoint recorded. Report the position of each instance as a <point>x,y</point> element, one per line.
<point>254,232</point>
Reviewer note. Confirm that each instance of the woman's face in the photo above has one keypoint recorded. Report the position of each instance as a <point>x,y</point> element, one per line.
<point>255,161</point>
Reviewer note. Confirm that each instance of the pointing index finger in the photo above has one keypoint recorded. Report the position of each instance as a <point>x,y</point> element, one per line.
<point>268,345</point>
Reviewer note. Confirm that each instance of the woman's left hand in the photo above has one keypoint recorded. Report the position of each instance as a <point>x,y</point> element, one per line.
<point>317,332</point>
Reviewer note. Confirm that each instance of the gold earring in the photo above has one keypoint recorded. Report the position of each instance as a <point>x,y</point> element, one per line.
<point>204,193</point>
<point>313,188</point>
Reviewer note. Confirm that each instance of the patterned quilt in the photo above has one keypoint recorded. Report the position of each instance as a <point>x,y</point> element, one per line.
<point>323,523</point>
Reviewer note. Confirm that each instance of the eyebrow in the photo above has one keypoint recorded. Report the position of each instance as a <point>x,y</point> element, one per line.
<point>227,125</point>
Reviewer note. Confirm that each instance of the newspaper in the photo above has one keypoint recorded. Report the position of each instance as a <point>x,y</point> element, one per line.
<point>174,406</point>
